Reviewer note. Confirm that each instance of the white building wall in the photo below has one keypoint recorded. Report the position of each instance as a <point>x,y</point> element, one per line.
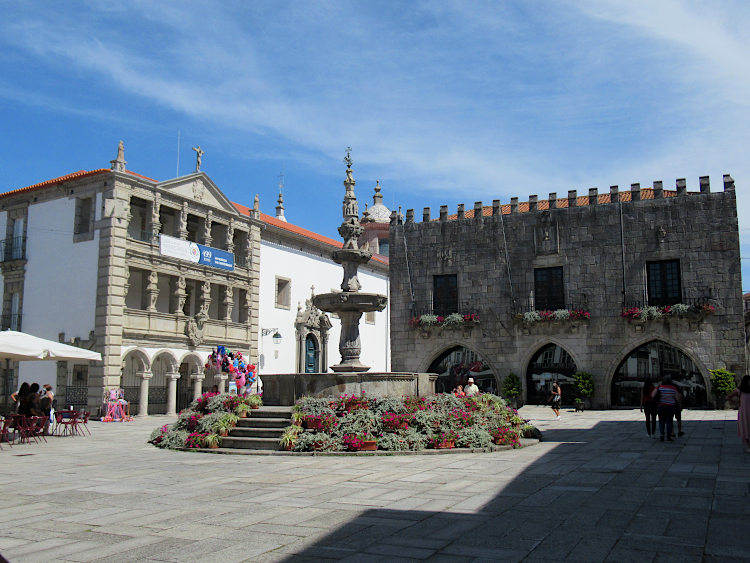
<point>306,269</point>
<point>60,280</point>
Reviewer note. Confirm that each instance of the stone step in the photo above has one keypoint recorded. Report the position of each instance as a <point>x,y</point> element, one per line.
<point>263,422</point>
<point>250,443</point>
<point>270,412</point>
<point>254,432</point>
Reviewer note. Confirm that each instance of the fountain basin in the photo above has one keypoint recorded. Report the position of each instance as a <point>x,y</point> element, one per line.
<point>350,301</point>
<point>286,388</point>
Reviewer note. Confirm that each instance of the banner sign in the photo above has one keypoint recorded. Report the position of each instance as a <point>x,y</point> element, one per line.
<point>196,253</point>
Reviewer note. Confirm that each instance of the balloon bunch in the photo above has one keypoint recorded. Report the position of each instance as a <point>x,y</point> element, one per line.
<point>226,361</point>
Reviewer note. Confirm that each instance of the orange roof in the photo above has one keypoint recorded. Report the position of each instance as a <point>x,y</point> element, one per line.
<point>72,176</point>
<point>241,208</point>
<point>562,202</point>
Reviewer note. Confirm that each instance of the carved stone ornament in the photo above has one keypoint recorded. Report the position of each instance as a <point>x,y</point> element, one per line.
<point>194,329</point>
<point>545,235</point>
<point>198,190</point>
<point>661,234</point>
<point>445,255</point>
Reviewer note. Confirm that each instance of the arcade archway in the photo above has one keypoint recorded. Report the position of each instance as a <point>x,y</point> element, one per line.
<point>456,365</point>
<point>549,363</point>
<point>650,362</point>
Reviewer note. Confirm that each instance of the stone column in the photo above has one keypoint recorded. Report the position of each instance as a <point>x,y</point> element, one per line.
<point>207,228</point>
<point>172,393</point>
<point>152,290</point>
<point>205,297</point>
<point>182,225</point>
<point>143,405</point>
<point>180,295</point>
<point>228,302</point>
<point>155,223</point>
<point>197,377</point>
<point>222,384</point>
<point>230,236</point>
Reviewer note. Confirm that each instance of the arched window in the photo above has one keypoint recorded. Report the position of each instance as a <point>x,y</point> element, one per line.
<point>456,365</point>
<point>651,362</point>
<point>549,363</point>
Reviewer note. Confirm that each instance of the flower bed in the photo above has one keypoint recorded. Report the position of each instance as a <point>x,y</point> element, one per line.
<point>677,310</point>
<point>407,423</point>
<point>203,422</point>
<point>531,317</point>
<point>452,321</point>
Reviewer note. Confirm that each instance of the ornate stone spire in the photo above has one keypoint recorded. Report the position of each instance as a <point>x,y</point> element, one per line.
<point>280,206</point>
<point>118,165</point>
<point>350,229</point>
<point>377,198</point>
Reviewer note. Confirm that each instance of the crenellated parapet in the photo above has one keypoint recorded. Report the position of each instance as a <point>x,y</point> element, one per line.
<point>573,200</point>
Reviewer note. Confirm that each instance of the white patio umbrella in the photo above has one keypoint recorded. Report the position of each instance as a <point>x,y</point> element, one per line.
<point>20,347</point>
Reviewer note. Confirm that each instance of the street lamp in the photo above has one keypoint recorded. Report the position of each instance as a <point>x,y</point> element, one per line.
<point>276,336</point>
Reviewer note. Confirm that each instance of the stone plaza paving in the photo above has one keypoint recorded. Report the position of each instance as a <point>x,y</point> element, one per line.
<point>595,489</point>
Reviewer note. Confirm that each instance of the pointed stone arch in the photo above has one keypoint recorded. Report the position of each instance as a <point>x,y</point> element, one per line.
<point>455,362</point>
<point>548,361</point>
<point>312,325</point>
<point>649,359</point>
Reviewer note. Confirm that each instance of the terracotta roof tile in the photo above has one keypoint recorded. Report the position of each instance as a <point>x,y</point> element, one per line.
<point>562,203</point>
<point>286,226</point>
<point>53,181</point>
<point>72,176</point>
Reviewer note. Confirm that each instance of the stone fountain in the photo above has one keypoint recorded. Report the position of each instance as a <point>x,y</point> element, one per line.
<point>349,376</point>
<point>350,302</point>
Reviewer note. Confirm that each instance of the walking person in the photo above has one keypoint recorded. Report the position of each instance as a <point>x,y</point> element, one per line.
<point>556,398</point>
<point>668,399</point>
<point>648,406</point>
<point>743,414</point>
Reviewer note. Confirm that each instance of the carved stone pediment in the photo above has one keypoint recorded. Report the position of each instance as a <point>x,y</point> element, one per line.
<point>199,188</point>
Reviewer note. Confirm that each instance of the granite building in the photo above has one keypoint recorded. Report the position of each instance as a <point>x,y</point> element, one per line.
<point>627,286</point>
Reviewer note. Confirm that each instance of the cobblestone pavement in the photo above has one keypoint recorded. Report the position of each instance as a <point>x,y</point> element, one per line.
<point>596,489</point>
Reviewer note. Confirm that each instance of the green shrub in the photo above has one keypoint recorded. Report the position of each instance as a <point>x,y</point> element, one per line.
<point>722,382</point>
<point>584,384</point>
<point>473,437</point>
<point>393,441</point>
<point>511,386</point>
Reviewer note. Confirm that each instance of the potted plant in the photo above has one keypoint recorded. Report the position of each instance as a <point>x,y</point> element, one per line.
<point>579,404</point>
<point>289,437</point>
<point>297,418</point>
<point>194,440</point>
<point>443,440</point>
<point>254,401</point>
<point>223,427</point>
<point>231,418</point>
<point>512,388</point>
<point>584,385</point>
<point>242,409</point>
<point>722,383</point>
<point>212,440</point>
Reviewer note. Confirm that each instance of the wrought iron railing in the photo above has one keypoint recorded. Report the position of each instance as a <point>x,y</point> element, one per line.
<point>13,248</point>
<point>11,322</point>
<point>76,396</point>
<point>143,236</point>
<point>523,305</point>
<point>464,307</point>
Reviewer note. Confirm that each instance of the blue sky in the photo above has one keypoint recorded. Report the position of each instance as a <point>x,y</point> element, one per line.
<point>443,102</point>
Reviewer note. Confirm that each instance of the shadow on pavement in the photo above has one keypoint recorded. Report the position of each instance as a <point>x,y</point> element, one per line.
<point>603,493</point>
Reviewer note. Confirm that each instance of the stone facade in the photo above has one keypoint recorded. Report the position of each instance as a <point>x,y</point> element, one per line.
<point>602,243</point>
